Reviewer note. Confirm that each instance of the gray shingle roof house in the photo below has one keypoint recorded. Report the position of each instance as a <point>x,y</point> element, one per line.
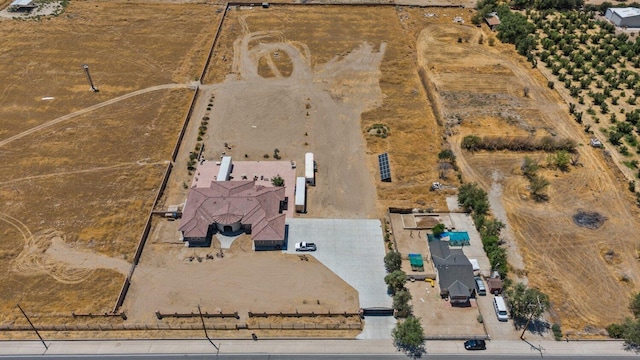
<point>455,273</point>
<point>233,207</point>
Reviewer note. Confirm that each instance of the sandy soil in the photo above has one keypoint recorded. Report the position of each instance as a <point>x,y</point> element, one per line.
<point>559,257</point>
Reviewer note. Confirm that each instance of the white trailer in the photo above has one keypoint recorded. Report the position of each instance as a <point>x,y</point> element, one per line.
<point>301,195</point>
<point>310,169</point>
<point>225,169</point>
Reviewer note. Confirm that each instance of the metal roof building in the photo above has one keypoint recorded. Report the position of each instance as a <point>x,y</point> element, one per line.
<point>22,5</point>
<point>624,17</point>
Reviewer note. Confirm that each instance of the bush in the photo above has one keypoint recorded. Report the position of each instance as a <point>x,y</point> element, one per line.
<point>557,332</point>
<point>438,230</point>
<point>517,143</point>
<point>615,331</point>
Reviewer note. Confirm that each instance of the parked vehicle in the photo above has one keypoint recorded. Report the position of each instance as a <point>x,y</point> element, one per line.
<point>501,308</point>
<point>482,291</point>
<point>305,246</point>
<point>475,345</point>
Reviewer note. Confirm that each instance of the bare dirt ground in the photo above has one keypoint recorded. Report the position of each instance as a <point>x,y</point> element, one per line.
<point>79,169</point>
<point>561,258</point>
<point>333,40</point>
<point>243,280</point>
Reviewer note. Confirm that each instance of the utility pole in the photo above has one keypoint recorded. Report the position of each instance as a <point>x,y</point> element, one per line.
<point>205,331</point>
<point>33,327</point>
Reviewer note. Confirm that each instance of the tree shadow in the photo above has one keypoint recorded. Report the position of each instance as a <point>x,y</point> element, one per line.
<point>414,352</point>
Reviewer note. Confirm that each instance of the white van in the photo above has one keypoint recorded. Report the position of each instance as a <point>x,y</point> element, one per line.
<point>500,308</point>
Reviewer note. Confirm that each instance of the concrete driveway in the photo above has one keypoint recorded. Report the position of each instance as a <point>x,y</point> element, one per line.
<point>352,248</point>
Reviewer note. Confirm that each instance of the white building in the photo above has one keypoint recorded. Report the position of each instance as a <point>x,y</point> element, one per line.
<point>624,17</point>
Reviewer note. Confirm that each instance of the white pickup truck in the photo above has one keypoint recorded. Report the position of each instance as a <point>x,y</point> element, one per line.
<point>305,246</point>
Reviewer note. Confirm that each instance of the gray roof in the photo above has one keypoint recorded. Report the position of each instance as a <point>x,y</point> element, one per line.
<point>455,272</point>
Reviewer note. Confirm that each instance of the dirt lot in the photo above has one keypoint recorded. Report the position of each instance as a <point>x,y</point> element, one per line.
<point>77,189</point>
<point>243,280</point>
<point>560,257</point>
<point>340,47</point>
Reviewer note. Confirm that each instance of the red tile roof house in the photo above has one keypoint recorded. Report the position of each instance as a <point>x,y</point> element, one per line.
<point>232,207</point>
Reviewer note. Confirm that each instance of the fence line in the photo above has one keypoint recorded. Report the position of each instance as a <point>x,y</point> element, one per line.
<point>299,314</point>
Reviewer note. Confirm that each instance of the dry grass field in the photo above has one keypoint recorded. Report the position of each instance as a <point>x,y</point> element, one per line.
<point>83,185</point>
<point>566,261</point>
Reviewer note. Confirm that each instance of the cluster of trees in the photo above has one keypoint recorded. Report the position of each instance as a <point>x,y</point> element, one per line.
<point>472,198</point>
<point>629,329</point>
<point>395,280</point>
<point>592,61</point>
<point>517,143</point>
<point>408,335</point>
<point>537,183</point>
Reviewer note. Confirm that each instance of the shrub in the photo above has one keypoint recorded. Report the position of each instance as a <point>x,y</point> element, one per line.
<point>438,230</point>
<point>557,332</point>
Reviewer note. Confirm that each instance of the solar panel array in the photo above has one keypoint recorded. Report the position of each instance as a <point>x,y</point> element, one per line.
<point>383,162</point>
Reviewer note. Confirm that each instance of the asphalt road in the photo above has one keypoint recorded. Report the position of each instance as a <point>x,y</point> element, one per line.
<point>471,355</point>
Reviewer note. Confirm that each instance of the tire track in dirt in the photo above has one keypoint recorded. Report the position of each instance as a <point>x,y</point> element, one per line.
<point>89,109</point>
<point>101,168</point>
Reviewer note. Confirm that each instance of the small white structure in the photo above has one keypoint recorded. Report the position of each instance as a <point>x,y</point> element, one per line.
<point>624,17</point>
<point>310,169</point>
<point>225,169</point>
<point>301,195</point>
<point>22,5</point>
<point>595,143</point>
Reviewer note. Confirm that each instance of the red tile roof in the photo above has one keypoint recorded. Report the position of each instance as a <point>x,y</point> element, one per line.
<point>229,202</point>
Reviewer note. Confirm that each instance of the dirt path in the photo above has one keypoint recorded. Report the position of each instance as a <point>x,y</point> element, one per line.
<point>91,108</point>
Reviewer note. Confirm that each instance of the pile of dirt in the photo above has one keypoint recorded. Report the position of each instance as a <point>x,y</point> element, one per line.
<point>589,219</point>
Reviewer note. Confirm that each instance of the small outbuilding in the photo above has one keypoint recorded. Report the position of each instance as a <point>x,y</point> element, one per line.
<point>492,20</point>
<point>22,6</point>
<point>494,286</point>
<point>624,17</point>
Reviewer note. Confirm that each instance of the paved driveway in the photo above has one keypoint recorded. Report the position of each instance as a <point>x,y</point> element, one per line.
<point>351,248</point>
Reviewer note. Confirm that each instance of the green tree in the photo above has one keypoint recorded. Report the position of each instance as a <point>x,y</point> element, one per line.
<point>438,229</point>
<point>561,160</point>
<point>277,180</point>
<point>392,261</point>
<point>408,336</point>
<point>401,303</point>
<point>471,142</point>
<point>538,186</point>
<point>395,281</point>
<point>471,197</point>
<point>527,303</point>
<point>492,227</point>
<point>529,167</point>
<point>447,155</point>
